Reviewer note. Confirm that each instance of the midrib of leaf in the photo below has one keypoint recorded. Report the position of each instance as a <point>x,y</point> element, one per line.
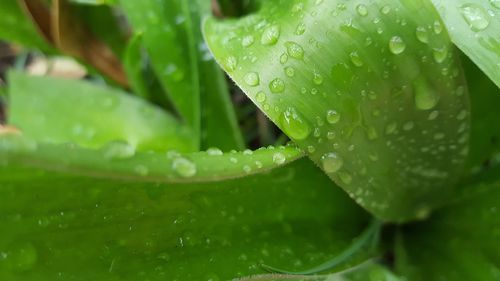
<point>391,151</point>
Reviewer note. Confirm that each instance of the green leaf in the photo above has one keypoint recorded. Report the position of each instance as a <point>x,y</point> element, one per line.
<point>58,110</point>
<point>218,123</point>
<point>16,27</point>
<point>172,50</point>
<point>369,271</point>
<point>371,90</point>
<point>133,63</point>
<point>485,134</point>
<point>460,242</point>
<point>474,27</point>
<point>56,222</point>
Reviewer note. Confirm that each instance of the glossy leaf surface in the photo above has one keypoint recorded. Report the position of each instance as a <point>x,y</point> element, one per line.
<point>58,110</point>
<point>56,223</point>
<point>474,27</point>
<point>371,90</point>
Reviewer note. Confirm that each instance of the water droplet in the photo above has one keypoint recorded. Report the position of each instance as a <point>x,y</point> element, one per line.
<point>279,158</point>
<point>332,116</point>
<point>362,10</point>
<point>174,72</point>
<point>277,85</point>
<point>408,126</point>
<point>231,63</point>
<point>397,45</point>
<point>356,59</point>
<point>270,35</point>
<point>440,54</point>
<point>118,150</point>
<point>294,125</point>
<point>433,115</point>
<point>331,162</point>
<point>184,167</point>
<point>422,34</point>
<point>462,114</point>
<point>345,177</point>
<point>475,16</point>
<point>301,28</point>
<point>247,41</point>
<point>495,3</point>
<point>317,79</point>
<point>372,133</point>
<point>283,58</point>
<point>214,151</point>
<point>438,27</point>
<point>425,96</point>
<point>391,128</point>
<point>294,50</point>
<point>260,97</point>
<point>252,79</point>
<point>439,136</point>
<point>330,135</point>
<point>385,10</point>
<point>290,71</point>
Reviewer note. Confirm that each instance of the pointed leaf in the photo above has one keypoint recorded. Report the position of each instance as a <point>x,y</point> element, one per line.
<point>371,90</point>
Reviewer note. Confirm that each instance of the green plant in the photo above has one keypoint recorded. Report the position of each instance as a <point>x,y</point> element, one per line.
<point>391,172</point>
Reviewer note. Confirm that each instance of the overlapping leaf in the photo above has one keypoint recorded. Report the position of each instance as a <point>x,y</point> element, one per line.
<point>372,90</point>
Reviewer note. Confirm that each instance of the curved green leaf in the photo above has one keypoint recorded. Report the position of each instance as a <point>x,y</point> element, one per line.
<point>56,223</point>
<point>474,27</point>
<point>460,242</point>
<point>119,160</point>
<point>58,110</point>
<point>371,90</point>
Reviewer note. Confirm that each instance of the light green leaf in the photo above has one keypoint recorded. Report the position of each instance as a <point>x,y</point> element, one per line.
<point>371,90</point>
<point>474,27</point>
<point>58,110</point>
<point>460,242</point>
<point>54,224</point>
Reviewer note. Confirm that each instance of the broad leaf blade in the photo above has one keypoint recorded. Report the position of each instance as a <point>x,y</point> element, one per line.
<point>56,223</point>
<point>474,27</point>
<point>58,110</point>
<point>460,242</point>
<point>372,90</point>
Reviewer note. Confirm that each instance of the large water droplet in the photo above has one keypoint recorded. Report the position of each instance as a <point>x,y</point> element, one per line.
<point>332,116</point>
<point>422,34</point>
<point>331,162</point>
<point>425,96</point>
<point>118,150</point>
<point>270,35</point>
<point>247,41</point>
<point>294,125</point>
<point>184,167</point>
<point>294,50</point>
<point>252,79</point>
<point>277,85</point>
<point>397,45</point>
<point>214,151</point>
<point>475,16</point>
<point>362,10</point>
